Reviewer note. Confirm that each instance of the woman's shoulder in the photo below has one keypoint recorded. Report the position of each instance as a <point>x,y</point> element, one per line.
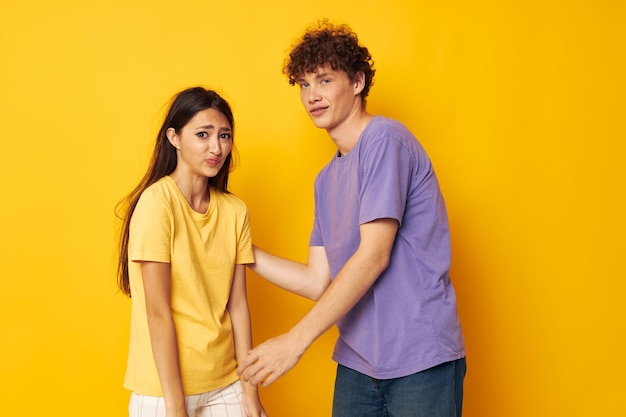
<point>229,199</point>
<point>161,190</point>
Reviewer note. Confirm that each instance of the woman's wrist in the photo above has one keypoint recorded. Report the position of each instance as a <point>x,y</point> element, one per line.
<point>249,389</point>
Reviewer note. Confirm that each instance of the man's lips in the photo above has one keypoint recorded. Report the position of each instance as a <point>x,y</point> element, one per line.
<point>317,111</point>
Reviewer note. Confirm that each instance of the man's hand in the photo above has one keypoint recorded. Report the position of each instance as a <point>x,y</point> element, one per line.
<point>270,360</point>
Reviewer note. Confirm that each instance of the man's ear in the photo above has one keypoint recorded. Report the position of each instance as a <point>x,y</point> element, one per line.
<point>172,137</point>
<point>359,82</point>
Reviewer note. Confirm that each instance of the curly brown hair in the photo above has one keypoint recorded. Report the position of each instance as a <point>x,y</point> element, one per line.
<point>328,44</point>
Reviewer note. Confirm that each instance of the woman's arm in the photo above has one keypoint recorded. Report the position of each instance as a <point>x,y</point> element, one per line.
<point>242,335</point>
<point>158,288</point>
<point>308,280</point>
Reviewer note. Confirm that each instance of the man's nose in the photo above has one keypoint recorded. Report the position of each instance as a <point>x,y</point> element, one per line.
<point>312,94</point>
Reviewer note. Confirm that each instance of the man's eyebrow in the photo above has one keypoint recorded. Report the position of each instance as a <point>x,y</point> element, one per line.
<point>323,75</point>
<point>317,76</point>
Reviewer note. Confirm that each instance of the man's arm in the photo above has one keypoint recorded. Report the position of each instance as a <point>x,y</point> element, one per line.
<point>268,361</point>
<point>307,280</point>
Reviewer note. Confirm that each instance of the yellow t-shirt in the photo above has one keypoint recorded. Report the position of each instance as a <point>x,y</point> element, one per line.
<point>202,249</point>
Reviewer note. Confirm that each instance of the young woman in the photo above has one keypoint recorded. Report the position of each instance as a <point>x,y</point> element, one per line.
<point>185,242</point>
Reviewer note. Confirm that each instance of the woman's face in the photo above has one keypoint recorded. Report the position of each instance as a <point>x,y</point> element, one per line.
<point>203,143</point>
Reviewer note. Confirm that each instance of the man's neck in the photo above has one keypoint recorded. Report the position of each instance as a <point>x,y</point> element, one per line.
<point>347,133</point>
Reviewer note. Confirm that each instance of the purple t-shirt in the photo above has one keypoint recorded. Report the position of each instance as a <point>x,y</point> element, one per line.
<point>407,321</point>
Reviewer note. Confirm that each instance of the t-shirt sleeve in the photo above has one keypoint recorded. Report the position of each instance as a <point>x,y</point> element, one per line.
<point>150,229</point>
<point>245,254</point>
<point>386,174</point>
<point>315,238</point>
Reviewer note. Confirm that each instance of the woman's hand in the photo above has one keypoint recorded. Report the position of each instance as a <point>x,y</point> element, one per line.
<point>251,402</point>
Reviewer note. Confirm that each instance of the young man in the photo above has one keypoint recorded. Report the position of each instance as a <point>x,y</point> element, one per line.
<point>379,253</point>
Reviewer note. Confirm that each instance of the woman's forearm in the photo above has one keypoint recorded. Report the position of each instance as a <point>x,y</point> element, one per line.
<point>165,351</point>
<point>239,313</point>
<point>157,289</point>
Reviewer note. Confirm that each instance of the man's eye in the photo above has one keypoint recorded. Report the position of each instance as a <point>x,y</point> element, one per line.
<point>304,85</point>
<point>325,81</point>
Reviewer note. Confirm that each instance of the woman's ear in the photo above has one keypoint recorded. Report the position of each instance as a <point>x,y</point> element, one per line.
<point>172,137</point>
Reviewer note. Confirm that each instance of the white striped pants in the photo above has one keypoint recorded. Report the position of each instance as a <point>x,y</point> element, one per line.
<point>222,402</point>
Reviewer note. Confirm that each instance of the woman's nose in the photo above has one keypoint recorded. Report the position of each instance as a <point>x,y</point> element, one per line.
<point>215,147</point>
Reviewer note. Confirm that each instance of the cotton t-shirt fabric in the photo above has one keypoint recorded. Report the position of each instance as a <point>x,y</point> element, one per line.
<point>407,321</point>
<point>202,250</point>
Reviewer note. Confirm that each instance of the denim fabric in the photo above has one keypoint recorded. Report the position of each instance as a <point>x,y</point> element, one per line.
<point>435,392</point>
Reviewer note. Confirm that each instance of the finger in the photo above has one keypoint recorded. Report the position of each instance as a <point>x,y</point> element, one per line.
<point>248,360</point>
<point>269,379</point>
<point>260,377</point>
<point>254,373</point>
<point>247,374</point>
<point>250,364</point>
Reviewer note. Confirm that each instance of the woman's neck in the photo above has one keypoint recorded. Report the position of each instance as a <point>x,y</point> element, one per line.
<point>195,190</point>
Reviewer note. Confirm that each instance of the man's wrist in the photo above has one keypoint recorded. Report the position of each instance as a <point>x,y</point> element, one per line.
<point>301,338</point>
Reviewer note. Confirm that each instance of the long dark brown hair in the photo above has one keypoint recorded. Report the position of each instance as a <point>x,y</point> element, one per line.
<point>184,106</point>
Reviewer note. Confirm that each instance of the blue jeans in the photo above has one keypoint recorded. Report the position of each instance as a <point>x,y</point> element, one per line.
<point>435,392</point>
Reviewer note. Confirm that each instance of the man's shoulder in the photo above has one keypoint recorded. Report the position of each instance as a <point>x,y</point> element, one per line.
<point>387,126</point>
<point>384,131</point>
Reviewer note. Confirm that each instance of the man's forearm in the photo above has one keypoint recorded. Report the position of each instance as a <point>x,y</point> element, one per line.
<point>305,280</point>
<point>355,278</point>
<point>353,281</point>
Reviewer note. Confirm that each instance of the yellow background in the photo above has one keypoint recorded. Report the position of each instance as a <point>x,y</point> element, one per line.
<point>519,104</point>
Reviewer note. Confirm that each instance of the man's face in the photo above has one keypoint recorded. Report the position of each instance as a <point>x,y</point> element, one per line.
<point>329,97</point>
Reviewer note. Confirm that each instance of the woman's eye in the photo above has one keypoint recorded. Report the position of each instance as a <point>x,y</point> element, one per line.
<point>225,136</point>
<point>201,134</point>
